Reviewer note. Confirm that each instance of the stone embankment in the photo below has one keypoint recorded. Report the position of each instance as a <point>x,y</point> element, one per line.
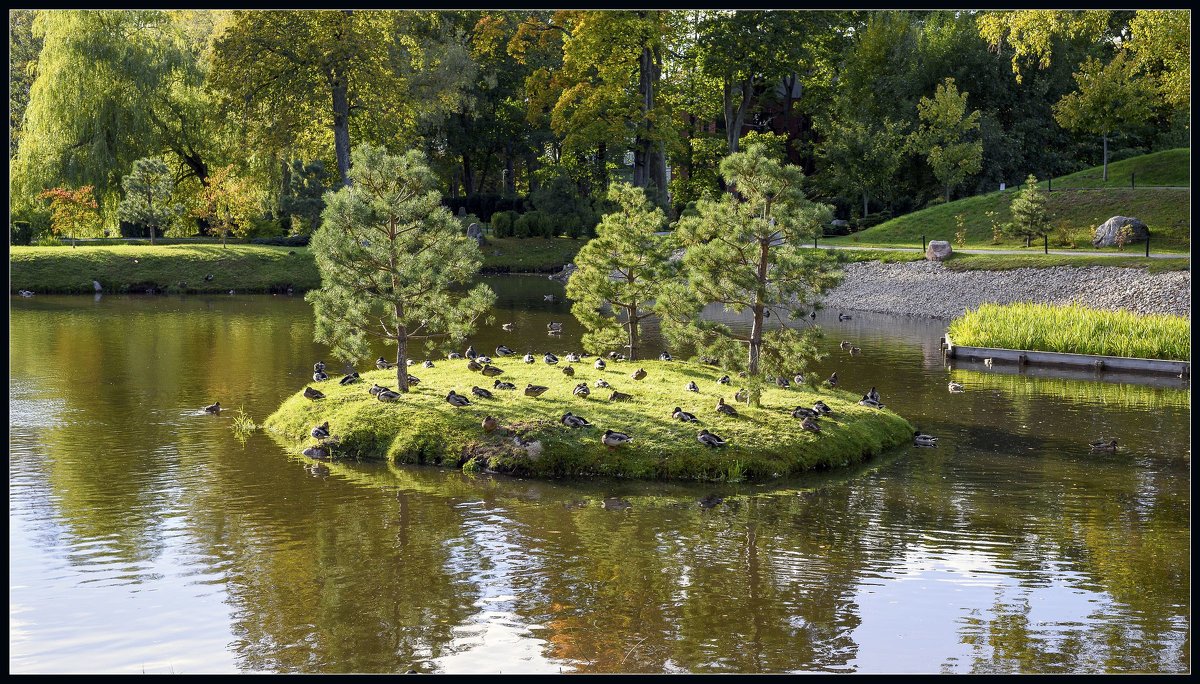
<point>931,290</point>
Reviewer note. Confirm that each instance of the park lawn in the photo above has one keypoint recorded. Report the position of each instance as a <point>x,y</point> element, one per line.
<point>423,428</point>
<point>1005,262</point>
<point>1074,329</point>
<point>528,255</point>
<point>1166,168</point>
<point>165,268</point>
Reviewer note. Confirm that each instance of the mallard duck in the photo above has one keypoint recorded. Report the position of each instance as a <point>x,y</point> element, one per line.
<point>454,356</point>
<point>507,327</point>
<point>843,316</point>
<point>954,387</point>
<point>822,408</point>
<point>665,356</point>
<point>723,380</point>
<point>691,386</point>
<point>348,379</point>
<point>310,393</point>
<point>798,379</point>
<point>845,345</point>
<point>208,278</point>
<point>872,394</point>
<point>481,392</point>
<point>987,362</point>
<point>708,439</point>
<point>549,298</point>
<point>568,371</point>
<point>741,396</point>
<point>503,385</point>
<point>801,412</point>
<point>743,374</point>
<point>813,315</point>
<point>387,395</point>
<point>599,365</point>
<point>25,293</point>
<point>213,408</point>
<point>375,389</point>
<point>554,326</point>
<point>320,377</point>
<point>550,358</point>
<point>855,351</point>
<point>573,421</point>
<point>1104,444</point>
<point>615,356</point>
<point>602,383</point>
<point>491,371</point>
<point>620,396</point>
<point>581,390</point>
<point>473,366</point>
<point>318,452</point>
<point>528,358</point>
<point>427,364</point>
<point>502,350</point>
<point>319,367</point>
<point>573,358</point>
<point>409,363</point>
<point>680,414</point>
<point>870,402</point>
<point>489,424</point>
<point>708,360</point>
<point>832,381</point>
<point>485,360</point>
<point>923,440</point>
<point>457,399</point>
<point>556,333</point>
<point>414,380</point>
<point>810,425</point>
<point>728,410</point>
<point>638,374</point>
<point>535,390</point>
<point>321,431</point>
<point>615,439</point>
<point>470,353</point>
<point>783,382</point>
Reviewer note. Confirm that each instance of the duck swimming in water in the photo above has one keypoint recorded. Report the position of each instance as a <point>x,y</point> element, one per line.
<point>573,421</point>
<point>708,439</point>
<point>843,316</point>
<point>457,399</point>
<point>954,387</point>
<point>1104,444</point>
<point>923,440</point>
<point>613,439</point>
<point>680,414</point>
<point>726,409</point>
<point>554,326</point>
<point>845,345</point>
<point>507,327</point>
<point>310,393</point>
<point>213,408</point>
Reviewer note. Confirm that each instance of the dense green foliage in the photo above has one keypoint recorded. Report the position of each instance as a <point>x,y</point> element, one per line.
<point>421,427</point>
<point>391,258</point>
<point>553,106</point>
<point>1028,211</point>
<point>1074,330</point>
<point>148,192</point>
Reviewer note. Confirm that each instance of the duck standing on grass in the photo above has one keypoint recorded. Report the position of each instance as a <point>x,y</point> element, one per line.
<point>573,421</point>
<point>665,356</point>
<point>528,358</point>
<point>708,439</point>
<point>572,357</point>
<point>822,408</point>
<point>723,380</point>
<point>599,365</point>
<point>427,364</point>
<point>457,399</point>
<point>726,409</point>
<point>470,353</point>
<point>320,376</point>
<point>799,379</point>
<point>382,363</point>
<point>741,395</point>
<point>213,408</point>
<point>549,358</point>
<point>613,439</point>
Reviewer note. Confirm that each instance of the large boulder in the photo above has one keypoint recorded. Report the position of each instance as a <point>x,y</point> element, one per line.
<point>1106,234</point>
<point>475,233</point>
<point>938,250</point>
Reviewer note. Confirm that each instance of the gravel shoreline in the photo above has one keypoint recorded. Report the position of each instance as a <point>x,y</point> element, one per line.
<point>928,289</point>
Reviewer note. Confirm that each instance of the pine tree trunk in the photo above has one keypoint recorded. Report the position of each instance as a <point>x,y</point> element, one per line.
<point>632,325</point>
<point>1105,138</point>
<point>756,331</point>
<point>864,203</point>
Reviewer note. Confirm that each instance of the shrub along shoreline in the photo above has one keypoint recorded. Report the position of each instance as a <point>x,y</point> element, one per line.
<point>1074,330</point>
<point>183,268</point>
<point>423,428</point>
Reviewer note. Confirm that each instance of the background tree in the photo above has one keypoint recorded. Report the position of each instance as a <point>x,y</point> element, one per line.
<point>1110,97</point>
<point>1028,210</point>
<point>744,251</point>
<point>73,212</point>
<point>303,197</point>
<point>945,135</point>
<point>861,157</point>
<point>149,188</point>
<point>1160,39</point>
<point>229,203</point>
<point>23,49</point>
<point>1033,34</point>
<point>620,272</point>
<point>391,258</point>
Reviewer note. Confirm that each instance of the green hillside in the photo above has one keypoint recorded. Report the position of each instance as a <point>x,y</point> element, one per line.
<point>1075,213</point>
<point>1167,168</point>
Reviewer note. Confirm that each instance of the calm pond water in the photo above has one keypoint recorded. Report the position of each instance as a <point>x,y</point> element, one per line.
<point>144,537</point>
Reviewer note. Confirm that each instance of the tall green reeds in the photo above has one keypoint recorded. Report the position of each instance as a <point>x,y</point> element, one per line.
<point>1074,329</point>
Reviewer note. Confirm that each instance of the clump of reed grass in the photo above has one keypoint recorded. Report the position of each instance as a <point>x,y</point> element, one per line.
<point>243,425</point>
<point>1074,329</point>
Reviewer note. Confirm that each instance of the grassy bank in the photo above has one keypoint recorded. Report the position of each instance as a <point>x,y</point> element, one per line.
<point>166,268</point>
<point>1007,262</point>
<point>423,428</point>
<point>181,268</point>
<point>1074,330</point>
<point>1166,168</point>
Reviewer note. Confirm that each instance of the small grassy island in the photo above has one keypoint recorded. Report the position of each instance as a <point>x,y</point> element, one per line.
<point>422,427</point>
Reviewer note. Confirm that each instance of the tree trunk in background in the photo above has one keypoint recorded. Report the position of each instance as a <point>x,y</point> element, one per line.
<point>531,166</point>
<point>285,177</point>
<point>510,182</point>
<point>341,123</point>
<point>602,165</point>
<point>468,175</point>
<point>735,119</point>
<point>1105,137</point>
<point>864,203</point>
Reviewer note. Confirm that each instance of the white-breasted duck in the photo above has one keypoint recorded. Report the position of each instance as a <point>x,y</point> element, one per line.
<point>612,438</point>
<point>457,399</point>
<point>923,440</point>
<point>954,387</point>
<point>601,382</point>
<point>320,376</point>
<point>708,439</point>
<point>321,431</point>
<point>599,365</point>
<point>382,363</point>
<point>691,386</point>
<point>573,358</point>
<point>481,392</point>
<point>822,408</point>
<point>581,390</point>
<point>726,409</point>
<point>573,421</point>
<point>528,358</point>
<point>454,356</point>
<point>665,356</point>
<point>680,414</point>
<point>507,327</point>
<point>501,385</point>
<point>723,380</point>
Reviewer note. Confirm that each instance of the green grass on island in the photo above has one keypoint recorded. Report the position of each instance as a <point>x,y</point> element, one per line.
<point>182,268</point>
<point>1074,330</point>
<point>421,427</point>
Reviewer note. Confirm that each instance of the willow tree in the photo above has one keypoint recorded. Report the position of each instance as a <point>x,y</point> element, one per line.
<point>393,261</point>
<point>745,251</point>
<point>620,272</point>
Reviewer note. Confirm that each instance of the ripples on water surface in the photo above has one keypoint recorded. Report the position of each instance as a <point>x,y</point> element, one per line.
<point>145,538</point>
